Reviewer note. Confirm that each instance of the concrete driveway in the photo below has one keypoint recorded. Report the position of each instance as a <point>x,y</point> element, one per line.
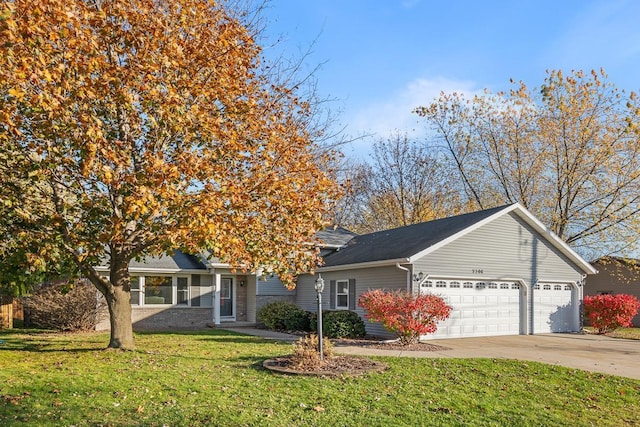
<point>588,352</point>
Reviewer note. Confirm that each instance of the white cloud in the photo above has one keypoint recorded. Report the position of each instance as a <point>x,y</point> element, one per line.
<point>395,113</point>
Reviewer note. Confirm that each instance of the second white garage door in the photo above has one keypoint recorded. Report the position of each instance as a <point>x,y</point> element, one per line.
<point>480,308</point>
<point>554,308</point>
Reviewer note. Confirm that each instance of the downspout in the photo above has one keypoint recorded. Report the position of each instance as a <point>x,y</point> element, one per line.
<point>581,300</point>
<point>408,275</point>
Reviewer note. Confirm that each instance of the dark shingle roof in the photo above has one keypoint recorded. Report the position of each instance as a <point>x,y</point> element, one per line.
<point>335,236</point>
<point>404,242</point>
<point>179,260</point>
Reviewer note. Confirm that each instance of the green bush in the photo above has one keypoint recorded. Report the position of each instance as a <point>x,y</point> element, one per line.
<point>297,320</point>
<point>339,324</point>
<point>283,315</point>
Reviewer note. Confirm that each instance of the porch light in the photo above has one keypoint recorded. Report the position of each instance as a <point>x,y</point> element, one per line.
<point>418,277</point>
<point>319,286</point>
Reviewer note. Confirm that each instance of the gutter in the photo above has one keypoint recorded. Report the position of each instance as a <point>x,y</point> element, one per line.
<point>408,275</point>
<point>380,263</point>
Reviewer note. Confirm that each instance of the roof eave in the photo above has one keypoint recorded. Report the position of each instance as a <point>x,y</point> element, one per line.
<point>368,264</point>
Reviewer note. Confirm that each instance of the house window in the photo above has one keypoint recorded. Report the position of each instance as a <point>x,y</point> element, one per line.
<point>536,286</point>
<point>158,290</point>
<point>441,284</point>
<point>342,294</point>
<point>504,286</point>
<point>183,291</point>
<point>427,284</point>
<point>467,285</point>
<point>493,285</point>
<point>135,290</point>
<point>557,287</point>
<point>454,284</point>
<point>481,285</point>
<point>567,287</point>
<point>515,286</point>
<point>547,287</point>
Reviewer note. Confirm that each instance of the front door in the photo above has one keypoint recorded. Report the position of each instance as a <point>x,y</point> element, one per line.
<point>226,298</point>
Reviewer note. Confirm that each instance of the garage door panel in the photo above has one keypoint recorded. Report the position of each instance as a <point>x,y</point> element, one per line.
<point>553,309</point>
<point>479,308</point>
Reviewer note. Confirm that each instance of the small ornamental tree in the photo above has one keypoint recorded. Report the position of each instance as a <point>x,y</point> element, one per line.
<point>608,312</point>
<point>407,315</point>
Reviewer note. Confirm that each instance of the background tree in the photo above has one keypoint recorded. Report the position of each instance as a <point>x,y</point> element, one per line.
<point>142,126</point>
<point>403,184</point>
<point>569,152</point>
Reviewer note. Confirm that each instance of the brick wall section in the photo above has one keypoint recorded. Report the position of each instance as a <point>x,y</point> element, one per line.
<point>166,319</point>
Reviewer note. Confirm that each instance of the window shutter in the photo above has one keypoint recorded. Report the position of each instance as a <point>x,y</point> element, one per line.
<point>352,294</point>
<point>332,294</point>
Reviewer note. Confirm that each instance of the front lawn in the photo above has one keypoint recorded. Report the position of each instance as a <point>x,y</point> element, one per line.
<point>215,378</point>
<point>628,333</point>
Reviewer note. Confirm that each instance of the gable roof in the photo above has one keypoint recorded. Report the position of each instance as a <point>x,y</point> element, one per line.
<point>406,244</point>
<point>403,242</point>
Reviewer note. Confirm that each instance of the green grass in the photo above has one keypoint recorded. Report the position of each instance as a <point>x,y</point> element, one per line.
<point>215,378</point>
<point>628,333</point>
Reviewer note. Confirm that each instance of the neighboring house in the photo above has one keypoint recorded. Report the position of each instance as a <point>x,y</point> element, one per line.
<point>185,291</point>
<point>615,276</point>
<point>501,270</point>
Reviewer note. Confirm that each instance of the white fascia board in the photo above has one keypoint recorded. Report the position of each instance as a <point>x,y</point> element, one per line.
<point>150,270</point>
<point>381,263</point>
<point>554,239</point>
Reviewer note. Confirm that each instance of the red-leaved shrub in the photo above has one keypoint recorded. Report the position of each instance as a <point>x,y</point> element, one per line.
<point>608,312</point>
<point>403,313</point>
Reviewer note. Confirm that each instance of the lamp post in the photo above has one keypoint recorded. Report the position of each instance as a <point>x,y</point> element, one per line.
<point>319,285</point>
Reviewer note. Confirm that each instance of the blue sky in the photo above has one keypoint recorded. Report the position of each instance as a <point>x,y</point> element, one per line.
<point>381,58</point>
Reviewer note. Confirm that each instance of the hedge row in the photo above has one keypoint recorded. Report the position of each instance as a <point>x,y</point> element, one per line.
<point>286,316</point>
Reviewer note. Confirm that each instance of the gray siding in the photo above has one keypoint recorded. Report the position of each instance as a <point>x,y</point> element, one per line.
<point>504,248</point>
<point>371,278</point>
<point>272,286</point>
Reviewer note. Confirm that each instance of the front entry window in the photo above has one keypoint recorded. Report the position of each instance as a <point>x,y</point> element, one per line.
<point>226,298</point>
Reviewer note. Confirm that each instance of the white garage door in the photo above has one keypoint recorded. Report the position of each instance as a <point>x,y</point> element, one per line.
<point>553,308</point>
<point>479,308</point>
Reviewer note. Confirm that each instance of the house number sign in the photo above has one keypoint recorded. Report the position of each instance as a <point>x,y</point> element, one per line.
<point>477,271</point>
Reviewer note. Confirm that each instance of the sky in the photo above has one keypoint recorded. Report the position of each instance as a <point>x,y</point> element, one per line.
<point>379,59</point>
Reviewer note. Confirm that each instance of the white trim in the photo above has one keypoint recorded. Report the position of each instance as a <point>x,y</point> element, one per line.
<point>151,270</point>
<point>529,219</point>
<point>216,298</point>
<point>380,263</point>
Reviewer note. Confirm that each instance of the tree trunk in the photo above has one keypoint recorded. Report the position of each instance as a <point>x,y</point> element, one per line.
<point>120,318</point>
<point>119,302</point>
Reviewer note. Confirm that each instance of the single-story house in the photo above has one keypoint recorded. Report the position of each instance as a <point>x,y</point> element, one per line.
<point>615,276</point>
<point>501,270</point>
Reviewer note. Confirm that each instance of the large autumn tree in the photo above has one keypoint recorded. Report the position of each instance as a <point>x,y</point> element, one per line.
<point>568,151</point>
<point>403,183</point>
<point>134,127</point>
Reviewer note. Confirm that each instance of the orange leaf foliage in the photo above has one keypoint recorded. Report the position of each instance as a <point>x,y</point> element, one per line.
<point>147,125</point>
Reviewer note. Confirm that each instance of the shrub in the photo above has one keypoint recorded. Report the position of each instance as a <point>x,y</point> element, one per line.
<point>608,312</point>
<point>283,315</point>
<point>65,307</point>
<point>306,354</point>
<point>297,320</point>
<point>408,316</point>
<point>339,324</point>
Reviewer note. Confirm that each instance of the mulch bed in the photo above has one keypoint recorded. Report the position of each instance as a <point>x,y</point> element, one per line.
<point>334,366</point>
<point>387,345</point>
<point>347,365</point>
